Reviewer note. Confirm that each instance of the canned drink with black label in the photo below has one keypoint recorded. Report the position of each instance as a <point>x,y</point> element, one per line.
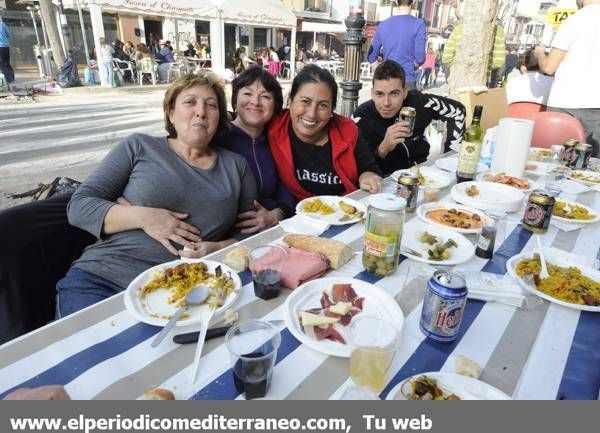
<point>581,156</point>
<point>408,188</point>
<point>568,150</point>
<point>408,114</point>
<point>538,211</point>
<point>443,306</point>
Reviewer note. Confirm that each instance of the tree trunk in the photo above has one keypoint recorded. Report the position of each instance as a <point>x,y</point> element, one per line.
<point>470,66</point>
<point>49,17</point>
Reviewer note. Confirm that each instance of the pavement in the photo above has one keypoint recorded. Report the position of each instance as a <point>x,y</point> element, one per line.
<point>68,135</point>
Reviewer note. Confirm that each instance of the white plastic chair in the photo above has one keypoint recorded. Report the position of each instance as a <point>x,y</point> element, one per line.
<point>175,69</point>
<point>122,66</point>
<point>147,66</point>
<point>365,70</point>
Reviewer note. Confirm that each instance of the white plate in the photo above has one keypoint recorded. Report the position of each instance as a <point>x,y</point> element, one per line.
<point>410,239</point>
<point>543,168</point>
<point>434,178</point>
<point>451,163</point>
<point>472,389</point>
<point>491,196</point>
<point>427,207</point>
<point>591,174</point>
<point>589,209</point>
<point>334,218</point>
<point>560,258</point>
<point>536,152</point>
<point>157,300</point>
<point>481,177</point>
<point>377,303</point>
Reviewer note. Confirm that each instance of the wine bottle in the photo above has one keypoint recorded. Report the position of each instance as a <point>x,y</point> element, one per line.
<point>470,148</point>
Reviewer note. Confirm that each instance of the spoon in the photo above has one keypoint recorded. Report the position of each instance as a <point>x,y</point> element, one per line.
<point>196,296</point>
<point>544,273</point>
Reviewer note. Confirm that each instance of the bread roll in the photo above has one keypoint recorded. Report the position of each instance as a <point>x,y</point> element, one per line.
<point>237,258</point>
<point>338,253</point>
<point>158,394</point>
<point>467,367</point>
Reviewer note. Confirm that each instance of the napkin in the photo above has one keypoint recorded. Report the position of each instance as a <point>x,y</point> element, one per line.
<point>304,226</point>
<point>299,266</point>
<point>565,226</point>
<point>571,187</point>
<point>489,287</point>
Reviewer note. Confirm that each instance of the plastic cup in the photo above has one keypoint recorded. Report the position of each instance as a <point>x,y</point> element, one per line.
<point>253,349</point>
<point>375,343</point>
<point>389,186</point>
<point>266,263</point>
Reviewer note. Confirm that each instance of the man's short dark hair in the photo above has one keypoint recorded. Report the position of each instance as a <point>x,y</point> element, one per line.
<point>405,2</point>
<point>388,70</point>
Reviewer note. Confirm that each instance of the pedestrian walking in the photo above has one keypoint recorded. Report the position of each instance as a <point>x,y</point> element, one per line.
<point>573,59</point>
<point>5,67</point>
<point>402,38</point>
<point>428,67</point>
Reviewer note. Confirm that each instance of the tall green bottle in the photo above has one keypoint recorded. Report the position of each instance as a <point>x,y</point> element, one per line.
<point>470,148</point>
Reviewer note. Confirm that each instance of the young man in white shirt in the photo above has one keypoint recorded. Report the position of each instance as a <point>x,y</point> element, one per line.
<point>575,60</point>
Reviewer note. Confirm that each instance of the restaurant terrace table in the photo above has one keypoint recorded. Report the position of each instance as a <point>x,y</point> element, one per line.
<point>548,352</point>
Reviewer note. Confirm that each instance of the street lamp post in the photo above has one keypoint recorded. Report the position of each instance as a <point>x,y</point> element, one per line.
<point>352,57</point>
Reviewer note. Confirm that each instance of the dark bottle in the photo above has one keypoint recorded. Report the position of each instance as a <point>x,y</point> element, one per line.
<point>253,377</point>
<point>485,243</point>
<point>267,284</point>
<point>470,148</point>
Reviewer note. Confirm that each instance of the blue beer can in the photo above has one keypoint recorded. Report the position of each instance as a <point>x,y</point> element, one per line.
<point>443,306</point>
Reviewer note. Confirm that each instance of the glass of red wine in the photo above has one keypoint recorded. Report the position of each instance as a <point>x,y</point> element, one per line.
<point>266,263</point>
<point>253,348</point>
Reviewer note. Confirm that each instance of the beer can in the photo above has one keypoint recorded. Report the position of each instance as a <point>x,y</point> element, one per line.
<point>568,149</point>
<point>581,156</point>
<point>443,306</point>
<point>538,211</point>
<point>409,114</point>
<point>408,188</point>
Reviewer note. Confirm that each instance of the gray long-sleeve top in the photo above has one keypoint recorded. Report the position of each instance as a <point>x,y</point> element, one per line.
<point>147,172</point>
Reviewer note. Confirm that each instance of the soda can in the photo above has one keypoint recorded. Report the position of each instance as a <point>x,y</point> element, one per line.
<point>538,211</point>
<point>408,189</point>
<point>568,150</point>
<point>581,156</point>
<point>408,114</point>
<point>443,306</point>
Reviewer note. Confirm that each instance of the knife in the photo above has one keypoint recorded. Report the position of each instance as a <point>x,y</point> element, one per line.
<point>192,337</point>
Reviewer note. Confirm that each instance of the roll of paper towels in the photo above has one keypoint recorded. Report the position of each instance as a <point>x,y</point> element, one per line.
<point>513,139</point>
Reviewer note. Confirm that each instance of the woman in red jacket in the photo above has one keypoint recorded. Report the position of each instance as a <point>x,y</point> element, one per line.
<point>315,150</point>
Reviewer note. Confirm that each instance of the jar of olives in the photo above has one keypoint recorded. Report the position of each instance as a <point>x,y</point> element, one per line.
<point>383,233</point>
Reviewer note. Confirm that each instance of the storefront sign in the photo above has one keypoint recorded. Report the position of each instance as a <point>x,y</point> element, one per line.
<point>260,17</point>
<point>556,16</point>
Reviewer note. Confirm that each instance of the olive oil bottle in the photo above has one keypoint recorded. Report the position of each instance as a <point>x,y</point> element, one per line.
<point>470,148</point>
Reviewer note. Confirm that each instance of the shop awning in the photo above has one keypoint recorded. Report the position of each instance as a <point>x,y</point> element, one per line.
<point>310,26</point>
<point>191,8</point>
<point>267,13</point>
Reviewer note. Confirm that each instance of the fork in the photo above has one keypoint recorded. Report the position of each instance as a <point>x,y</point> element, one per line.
<point>544,273</point>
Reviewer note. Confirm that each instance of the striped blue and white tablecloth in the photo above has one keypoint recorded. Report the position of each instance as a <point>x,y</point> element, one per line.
<point>547,352</point>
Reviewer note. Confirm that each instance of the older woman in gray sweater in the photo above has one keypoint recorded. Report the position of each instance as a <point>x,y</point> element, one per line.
<point>152,197</point>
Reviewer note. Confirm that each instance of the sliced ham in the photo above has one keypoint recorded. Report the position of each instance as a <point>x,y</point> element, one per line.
<point>343,293</point>
<point>328,333</point>
<point>326,301</point>
<point>358,303</point>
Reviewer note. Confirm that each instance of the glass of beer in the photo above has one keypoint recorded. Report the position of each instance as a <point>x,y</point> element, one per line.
<point>375,342</point>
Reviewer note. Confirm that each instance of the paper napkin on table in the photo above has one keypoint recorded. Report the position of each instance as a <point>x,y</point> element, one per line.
<point>490,287</point>
<point>565,226</point>
<point>571,187</point>
<point>304,226</point>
